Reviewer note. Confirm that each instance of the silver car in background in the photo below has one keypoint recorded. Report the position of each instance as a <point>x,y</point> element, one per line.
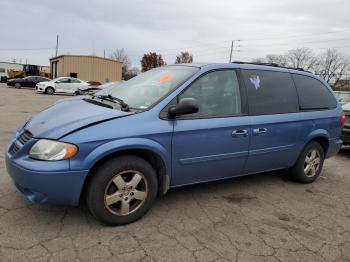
<point>343,96</point>
<point>346,131</point>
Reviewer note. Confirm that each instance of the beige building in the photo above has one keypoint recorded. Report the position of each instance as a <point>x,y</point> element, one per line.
<point>88,68</point>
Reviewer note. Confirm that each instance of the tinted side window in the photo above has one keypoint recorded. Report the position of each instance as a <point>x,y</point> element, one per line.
<point>313,94</point>
<point>217,94</point>
<point>270,92</point>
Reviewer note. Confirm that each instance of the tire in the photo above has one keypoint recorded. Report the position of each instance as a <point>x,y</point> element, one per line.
<point>119,181</point>
<point>17,85</point>
<point>49,90</point>
<point>309,164</point>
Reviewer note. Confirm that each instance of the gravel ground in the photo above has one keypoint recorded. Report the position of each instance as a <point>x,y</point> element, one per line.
<point>263,217</point>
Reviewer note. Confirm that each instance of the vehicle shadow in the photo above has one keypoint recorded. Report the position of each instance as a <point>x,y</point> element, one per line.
<point>242,187</point>
<point>272,177</point>
<point>29,89</point>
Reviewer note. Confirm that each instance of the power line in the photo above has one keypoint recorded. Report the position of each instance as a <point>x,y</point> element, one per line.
<point>225,48</point>
<point>307,42</point>
<point>251,39</point>
<point>27,49</point>
<point>296,36</point>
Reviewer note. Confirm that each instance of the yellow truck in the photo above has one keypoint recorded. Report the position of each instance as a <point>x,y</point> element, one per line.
<point>28,70</point>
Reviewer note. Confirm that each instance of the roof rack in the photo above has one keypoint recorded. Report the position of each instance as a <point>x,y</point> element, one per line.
<point>271,64</point>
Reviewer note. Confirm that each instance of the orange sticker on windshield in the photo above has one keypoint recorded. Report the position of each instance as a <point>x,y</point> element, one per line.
<point>165,78</point>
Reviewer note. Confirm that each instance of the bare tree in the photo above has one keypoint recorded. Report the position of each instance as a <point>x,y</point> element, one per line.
<point>333,66</point>
<point>277,59</point>
<point>301,58</point>
<point>121,56</point>
<point>258,60</point>
<point>184,57</point>
<point>151,60</point>
<point>132,72</point>
<point>272,59</point>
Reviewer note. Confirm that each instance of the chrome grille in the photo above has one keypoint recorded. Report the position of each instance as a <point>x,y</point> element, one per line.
<point>21,140</point>
<point>15,148</point>
<point>25,137</point>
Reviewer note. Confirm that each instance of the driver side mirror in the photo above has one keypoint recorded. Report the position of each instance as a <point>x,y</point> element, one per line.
<point>184,107</point>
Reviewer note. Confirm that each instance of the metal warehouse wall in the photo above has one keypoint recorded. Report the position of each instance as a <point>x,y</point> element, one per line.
<point>89,68</point>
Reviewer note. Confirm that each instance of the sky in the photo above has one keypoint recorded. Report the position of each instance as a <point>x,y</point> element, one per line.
<point>204,28</point>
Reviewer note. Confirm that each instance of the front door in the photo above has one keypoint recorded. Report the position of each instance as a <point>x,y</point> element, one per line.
<point>63,85</point>
<point>30,81</point>
<point>212,143</point>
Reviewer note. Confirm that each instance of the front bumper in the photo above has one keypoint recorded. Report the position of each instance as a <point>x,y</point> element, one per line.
<point>45,186</point>
<point>40,89</point>
<point>345,136</point>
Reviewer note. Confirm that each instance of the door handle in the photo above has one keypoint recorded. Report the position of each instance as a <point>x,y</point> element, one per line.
<point>240,133</point>
<point>259,131</point>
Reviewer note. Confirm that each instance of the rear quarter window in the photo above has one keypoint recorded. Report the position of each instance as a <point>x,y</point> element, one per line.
<point>313,94</point>
<point>270,92</point>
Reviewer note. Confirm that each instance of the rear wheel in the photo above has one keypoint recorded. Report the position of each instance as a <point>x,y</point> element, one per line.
<point>49,90</point>
<point>309,164</point>
<point>122,190</point>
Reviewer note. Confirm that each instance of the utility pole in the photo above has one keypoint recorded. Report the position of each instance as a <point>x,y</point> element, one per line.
<point>104,53</point>
<point>233,46</point>
<point>57,46</point>
<point>231,52</point>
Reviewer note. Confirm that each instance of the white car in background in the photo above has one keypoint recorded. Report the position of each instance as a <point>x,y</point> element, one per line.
<point>67,85</point>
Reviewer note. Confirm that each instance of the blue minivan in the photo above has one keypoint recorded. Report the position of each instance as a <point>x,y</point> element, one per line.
<point>174,126</point>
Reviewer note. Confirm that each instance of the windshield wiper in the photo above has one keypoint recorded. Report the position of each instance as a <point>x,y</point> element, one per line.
<point>124,106</point>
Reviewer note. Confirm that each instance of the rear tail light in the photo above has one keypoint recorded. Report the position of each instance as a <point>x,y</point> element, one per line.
<point>342,119</point>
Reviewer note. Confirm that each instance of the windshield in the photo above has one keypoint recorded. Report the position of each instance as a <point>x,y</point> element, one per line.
<point>343,96</point>
<point>147,88</point>
<point>107,87</point>
<point>346,107</point>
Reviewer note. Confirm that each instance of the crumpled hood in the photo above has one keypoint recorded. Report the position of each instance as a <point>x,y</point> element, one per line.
<point>67,116</point>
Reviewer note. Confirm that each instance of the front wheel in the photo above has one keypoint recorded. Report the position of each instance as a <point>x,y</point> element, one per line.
<point>17,85</point>
<point>309,164</point>
<point>122,190</point>
<point>49,91</point>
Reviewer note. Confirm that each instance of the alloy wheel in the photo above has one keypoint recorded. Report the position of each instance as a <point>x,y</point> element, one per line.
<point>312,163</point>
<point>126,192</point>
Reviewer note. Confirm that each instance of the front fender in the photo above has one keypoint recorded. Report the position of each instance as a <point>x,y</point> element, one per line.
<point>124,144</point>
